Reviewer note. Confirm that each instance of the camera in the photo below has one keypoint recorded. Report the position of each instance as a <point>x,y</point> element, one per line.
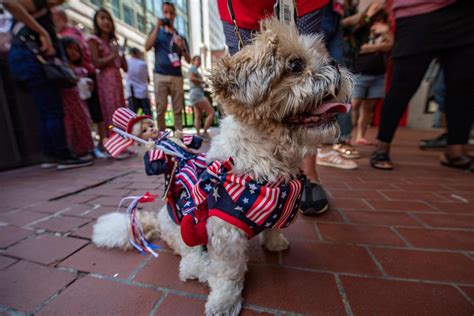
<point>166,21</point>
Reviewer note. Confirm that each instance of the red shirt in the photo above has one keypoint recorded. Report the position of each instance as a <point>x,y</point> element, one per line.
<point>248,13</point>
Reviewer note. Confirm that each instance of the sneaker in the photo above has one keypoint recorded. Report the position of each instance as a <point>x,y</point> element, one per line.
<point>49,162</point>
<point>333,159</point>
<point>99,154</point>
<point>74,162</point>
<point>313,200</point>
<point>346,151</point>
<point>439,142</point>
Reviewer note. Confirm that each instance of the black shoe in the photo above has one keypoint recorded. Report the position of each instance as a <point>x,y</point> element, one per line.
<point>74,162</point>
<point>49,162</point>
<point>313,200</point>
<point>439,142</point>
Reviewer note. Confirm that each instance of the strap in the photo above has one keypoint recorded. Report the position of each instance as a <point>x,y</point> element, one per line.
<point>234,21</point>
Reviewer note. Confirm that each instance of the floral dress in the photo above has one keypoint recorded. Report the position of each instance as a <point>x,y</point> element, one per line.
<point>76,119</point>
<point>109,84</point>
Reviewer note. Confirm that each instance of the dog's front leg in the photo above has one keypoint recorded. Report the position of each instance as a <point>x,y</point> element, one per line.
<point>227,249</point>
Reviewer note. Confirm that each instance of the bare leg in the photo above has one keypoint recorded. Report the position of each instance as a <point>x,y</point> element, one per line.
<point>197,118</point>
<point>309,168</point>
<point>365,115</point>
<point>101,132</point>
<point>356,103</point>
<point>205,106</point>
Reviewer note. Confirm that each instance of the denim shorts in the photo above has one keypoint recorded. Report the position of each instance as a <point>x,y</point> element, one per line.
<point>369,87</point>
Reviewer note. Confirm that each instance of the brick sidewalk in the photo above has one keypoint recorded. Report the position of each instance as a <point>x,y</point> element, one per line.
<point>393,243</point>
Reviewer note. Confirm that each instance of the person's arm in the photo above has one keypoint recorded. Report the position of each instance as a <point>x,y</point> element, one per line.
<point>18,9</point>
<point>150,41</point>
<point>183,47</point>
<point>123,63</point>
<point>195,79</point>
<point>100,62</point>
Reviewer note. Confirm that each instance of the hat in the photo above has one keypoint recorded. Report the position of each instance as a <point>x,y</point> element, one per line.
<point>125,119</point>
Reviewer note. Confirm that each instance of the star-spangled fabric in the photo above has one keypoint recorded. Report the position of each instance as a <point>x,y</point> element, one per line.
<point>239,200</point>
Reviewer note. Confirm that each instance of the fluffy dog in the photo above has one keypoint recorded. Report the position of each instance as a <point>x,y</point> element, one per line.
<point>281,94</point>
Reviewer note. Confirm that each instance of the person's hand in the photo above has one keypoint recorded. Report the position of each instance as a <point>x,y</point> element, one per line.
<point>374,8</point>
<point>367,48</point>
<point>150,145</point>
<point>159,23</point>
<point>380,28</point>
<point>46,44</point>
<point>180,42</point>
<point>115,49</point>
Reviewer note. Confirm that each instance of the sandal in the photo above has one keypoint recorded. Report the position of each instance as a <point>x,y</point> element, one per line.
<point>363,141</point>
<point>346,151</point>
<point>461,162</point>
<point>381,160</point>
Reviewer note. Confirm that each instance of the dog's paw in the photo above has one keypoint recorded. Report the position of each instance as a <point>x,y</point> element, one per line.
<point>277,242</point>
<point>221,306</point>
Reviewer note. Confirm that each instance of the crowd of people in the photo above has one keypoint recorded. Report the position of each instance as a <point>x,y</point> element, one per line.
<point>370,37</point>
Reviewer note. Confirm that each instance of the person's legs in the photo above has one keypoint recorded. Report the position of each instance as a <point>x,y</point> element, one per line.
<point>177,95</point>
<point>133,104</point>
<point>146,106</point>
<point>356,105</point>
<point>459,73</point>
<point>365,115</point>
<point>161,96</point>
<point>408,72</point>
<point>197,118</point>
<point>207,108</point>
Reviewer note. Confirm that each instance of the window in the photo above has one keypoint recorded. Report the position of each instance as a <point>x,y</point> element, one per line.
<point>97,2</point>
<point>141,23</point>
<point>128,15</point>
<point>116,8</point>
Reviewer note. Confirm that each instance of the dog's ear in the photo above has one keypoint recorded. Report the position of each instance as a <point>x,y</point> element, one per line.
<point>246,77</point>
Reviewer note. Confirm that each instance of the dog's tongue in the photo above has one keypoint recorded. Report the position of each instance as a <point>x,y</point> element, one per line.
<point>334,107</point>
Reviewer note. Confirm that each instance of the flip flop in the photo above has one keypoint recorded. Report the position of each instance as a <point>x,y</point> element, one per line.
<point>381,161</point>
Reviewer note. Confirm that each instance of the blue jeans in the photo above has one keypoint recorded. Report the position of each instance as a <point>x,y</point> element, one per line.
<point>330,28</point>
<point>26,68</point>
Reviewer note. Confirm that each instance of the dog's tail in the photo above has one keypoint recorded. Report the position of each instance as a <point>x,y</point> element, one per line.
<point>112,230</point>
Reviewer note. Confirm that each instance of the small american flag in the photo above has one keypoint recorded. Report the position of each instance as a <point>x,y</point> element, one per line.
<point>116,144</point>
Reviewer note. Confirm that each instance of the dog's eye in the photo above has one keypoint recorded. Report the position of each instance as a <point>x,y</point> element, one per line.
<point>295,65</point>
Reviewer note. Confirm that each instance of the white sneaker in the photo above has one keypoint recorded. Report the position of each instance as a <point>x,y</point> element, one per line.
<point>334,160</point>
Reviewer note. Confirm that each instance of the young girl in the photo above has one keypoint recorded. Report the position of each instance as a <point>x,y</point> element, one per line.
<point>198,99</point>
<point>76,119</point>
<point>107,59</point>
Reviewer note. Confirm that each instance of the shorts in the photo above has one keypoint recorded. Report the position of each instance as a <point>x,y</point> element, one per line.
<point>196,95</point>
<point>369,87</point>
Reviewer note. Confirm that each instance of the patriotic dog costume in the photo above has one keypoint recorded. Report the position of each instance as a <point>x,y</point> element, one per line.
<point>194,191</point>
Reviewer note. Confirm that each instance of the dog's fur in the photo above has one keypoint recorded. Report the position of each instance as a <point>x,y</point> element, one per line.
<point>259,92</point>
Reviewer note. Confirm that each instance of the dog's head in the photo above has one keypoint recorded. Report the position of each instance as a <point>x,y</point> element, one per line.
<point>284,84</point>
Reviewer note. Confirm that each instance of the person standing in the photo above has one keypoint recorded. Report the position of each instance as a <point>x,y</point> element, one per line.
<point>169,47</point>
<point>34,30</point>
<point>64,29</point>
<point>137,83</point>
<point>108,60</point>
<point>198,99</point>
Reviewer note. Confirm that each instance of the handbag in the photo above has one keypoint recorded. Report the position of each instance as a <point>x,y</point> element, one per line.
<point>57,73</point>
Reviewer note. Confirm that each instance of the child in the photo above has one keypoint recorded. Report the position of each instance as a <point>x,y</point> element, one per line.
<point>76,118</point>
<point>107,59</point>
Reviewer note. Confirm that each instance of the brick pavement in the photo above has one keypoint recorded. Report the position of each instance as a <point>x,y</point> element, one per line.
<point>393,243</point>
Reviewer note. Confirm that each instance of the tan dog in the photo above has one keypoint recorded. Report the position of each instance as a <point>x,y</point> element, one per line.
<point>281,95</point>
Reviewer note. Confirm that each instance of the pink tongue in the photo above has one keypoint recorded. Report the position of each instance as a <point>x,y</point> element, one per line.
<point>336,107</point>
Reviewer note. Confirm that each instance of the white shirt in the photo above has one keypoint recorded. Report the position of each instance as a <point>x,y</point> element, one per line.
<point>137,77</point>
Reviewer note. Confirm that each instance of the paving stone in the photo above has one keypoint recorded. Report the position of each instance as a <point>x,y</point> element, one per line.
<point>348,204</point>
<point>49,207</point>
<point>163,272</point>
<point>6,261</point>
<point>380,218</point>
<point>359,234</point>
<point>401,206</point>
<point>46,249</point>
<point>92,296</point>
<point>180,305</point>
<point>61,224</point>
<point>259,254</point>
<point>386,297</point>
<point>413,196</point>
<point>250,312</point>
<point>10,235</point>
<point>25,285</point>
<point>330,257</point>
<point>21,218</point>
<point>112,262</point>
<point>331,217</point>
<point>469,291</point>
<point>423,187</point>
<point>301,230</point>
<point>106,200</point>
<point>292,290</point>
<point>85,231</point>
<point>449,220</point>
<point>439,239</point>
<point>454,207</point>
<point>79,198</point>
<point>359,194</point>
<point>426,265</point>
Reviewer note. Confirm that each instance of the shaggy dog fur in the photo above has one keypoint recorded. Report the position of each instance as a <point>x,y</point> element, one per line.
<point>271,91</point>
